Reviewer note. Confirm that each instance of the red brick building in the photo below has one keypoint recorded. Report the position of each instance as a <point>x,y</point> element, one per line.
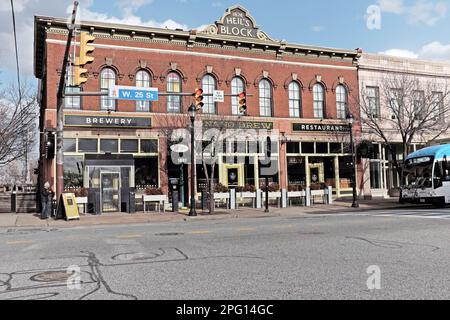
<point>304,92</point>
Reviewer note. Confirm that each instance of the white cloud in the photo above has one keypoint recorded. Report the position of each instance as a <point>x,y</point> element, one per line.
<point>318,28</point>
<point>421,12</point>
<point>400,53</point>
<point>431,51</point>
<point>392,6</point>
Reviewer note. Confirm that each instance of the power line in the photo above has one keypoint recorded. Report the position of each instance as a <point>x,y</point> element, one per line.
<point>17,51</point>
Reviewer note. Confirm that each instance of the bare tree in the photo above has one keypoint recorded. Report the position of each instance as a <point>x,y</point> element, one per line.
<point>405,109</point>
<point>18,113</point>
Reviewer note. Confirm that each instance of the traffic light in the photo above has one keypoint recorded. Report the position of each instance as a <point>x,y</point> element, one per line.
<point>198,98</point>
<point>86,48</point>
<point>243,102</point>
<point>79,72</point>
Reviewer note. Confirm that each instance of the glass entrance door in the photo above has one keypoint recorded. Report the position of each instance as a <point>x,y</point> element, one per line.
<point>110,191</point>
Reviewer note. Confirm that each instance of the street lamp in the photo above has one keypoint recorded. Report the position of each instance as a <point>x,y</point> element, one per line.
<point>350,121</point>
<point>192,112</point>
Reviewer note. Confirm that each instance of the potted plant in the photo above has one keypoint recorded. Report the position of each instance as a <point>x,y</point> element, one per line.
<point>296,191</point>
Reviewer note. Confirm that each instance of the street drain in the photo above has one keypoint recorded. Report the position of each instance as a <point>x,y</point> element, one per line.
<point>172,234</point>
<point>51,276</point>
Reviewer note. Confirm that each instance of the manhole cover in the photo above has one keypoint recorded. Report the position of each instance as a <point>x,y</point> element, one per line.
<point>51,276</point>
<point>172,234</point>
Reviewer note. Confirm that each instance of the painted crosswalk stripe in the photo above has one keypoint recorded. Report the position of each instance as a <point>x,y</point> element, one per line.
<point>18,242</point>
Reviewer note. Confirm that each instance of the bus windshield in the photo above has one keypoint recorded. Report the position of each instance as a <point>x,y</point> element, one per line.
<point>418,172</point>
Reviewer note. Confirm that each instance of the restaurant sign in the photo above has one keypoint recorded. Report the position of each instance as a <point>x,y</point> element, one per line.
<point>327,128</point>
<point>237,22</point>
<point>107,121</point>
<point>236,125</point>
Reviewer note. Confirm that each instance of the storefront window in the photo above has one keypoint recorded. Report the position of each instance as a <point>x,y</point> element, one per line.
<point>129,146</point>
<point>375,175</point>
<point>149,146</point>
<point>87,145</point>
<point>296,171</point>
<point>293,147</point>
<point>146,172</point>
<point>321,147</point>
<point>73,172</point>
<point>307,147</point>
<point>70,145</point>
<point>335,147</point>
<point>345,172</point>
<point>109,145</point>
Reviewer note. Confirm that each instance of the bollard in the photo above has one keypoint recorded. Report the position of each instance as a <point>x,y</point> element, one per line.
<point>330,195</point>
<point>258,199</point>
<point>308,197</point>
<point>232,199</point>
<point>283,198</point>
<point>175,199</point>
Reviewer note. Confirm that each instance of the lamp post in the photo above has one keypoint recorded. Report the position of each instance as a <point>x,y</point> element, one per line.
<point>192,112</point>
<point>350,120</point>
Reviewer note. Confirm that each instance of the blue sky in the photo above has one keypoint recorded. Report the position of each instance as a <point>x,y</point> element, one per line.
<point>412,28</point>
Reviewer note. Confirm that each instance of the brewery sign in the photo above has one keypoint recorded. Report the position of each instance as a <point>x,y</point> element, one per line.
<point>107,121</point>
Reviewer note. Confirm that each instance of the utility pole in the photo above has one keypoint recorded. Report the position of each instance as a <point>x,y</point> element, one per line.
<point>59,108</point>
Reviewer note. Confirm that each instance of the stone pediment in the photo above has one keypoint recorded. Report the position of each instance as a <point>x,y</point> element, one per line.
<point>237,22</point>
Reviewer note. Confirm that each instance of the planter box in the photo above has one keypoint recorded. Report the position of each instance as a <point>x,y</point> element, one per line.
<point>219,196</point>
<point>156,198</point>
<point>318,192</point>
<point>272,195</point>
<point>246,195</point>
<point>82,200</point>
<point>296,194</point>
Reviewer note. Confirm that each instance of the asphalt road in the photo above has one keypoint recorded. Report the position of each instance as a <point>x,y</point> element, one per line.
<point>312,257</point>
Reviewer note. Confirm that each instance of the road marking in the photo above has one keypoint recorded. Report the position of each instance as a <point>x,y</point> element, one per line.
<point>129,236</point>
<point>289,226</point>
<point>200,232</point>
<point>246,229</point>
<point>18,242</point>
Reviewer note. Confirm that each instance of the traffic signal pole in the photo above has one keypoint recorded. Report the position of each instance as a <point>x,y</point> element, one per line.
<point>59,108</point>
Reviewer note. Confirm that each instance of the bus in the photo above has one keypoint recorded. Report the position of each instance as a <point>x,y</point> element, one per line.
<point>427,176</point>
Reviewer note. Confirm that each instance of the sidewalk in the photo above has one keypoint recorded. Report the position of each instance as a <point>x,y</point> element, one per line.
<point>9,220</point>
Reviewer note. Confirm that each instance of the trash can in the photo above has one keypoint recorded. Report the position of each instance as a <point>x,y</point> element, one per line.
<point>132,202</point>
<point>205,205</point>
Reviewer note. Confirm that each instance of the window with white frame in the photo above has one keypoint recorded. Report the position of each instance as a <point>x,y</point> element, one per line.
<point>72,102</point>
<point>173,85</point>
<point>294,100</point>
<point>265,98</point>
<point>396,103</point>
<point>419,105</point>
<point>237,86</point>
<point>143,80</point>
<point>319,101</point>
<point>373,102</point>
<point>208,86</point>
<point>107,80</point>
<point>341,102</point>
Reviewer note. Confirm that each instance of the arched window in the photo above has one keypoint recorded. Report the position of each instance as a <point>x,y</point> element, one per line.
<point>265,98</point>
<point>319,101</point>
<point>294,100</point>
<point>173,85</point>
<point>208,86</point>
<point>341,102</point>
<point>237,86</point>
<point>143,80</point>
<point>107,80</point>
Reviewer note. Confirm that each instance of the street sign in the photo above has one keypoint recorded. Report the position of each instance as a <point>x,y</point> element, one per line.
<point>134,93</point>
<point>218,96</point>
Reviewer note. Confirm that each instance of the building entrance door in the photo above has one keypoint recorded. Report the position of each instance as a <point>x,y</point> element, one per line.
<point>110,192</point>
<point>233,177</point>
<point>316,173</point>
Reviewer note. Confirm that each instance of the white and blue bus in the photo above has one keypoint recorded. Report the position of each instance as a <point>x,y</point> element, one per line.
<point>427,176</point>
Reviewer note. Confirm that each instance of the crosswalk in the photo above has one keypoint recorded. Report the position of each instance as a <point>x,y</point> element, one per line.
<point>442,214</point>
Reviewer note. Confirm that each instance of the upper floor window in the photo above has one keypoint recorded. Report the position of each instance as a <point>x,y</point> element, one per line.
<point>173,85</point>
<point>107,80</point>
<point>341,102</point>
<point>208,86</point>
<point>373,102</point>
<point>294,100</point>
<point>143,80</point>
<point>437,106</point>
<point>396,103</point>
<point>72,102</point>
<point>319,101</point>
<point>419,105</point>
<point>265,98</point>
<point>237,86</point>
